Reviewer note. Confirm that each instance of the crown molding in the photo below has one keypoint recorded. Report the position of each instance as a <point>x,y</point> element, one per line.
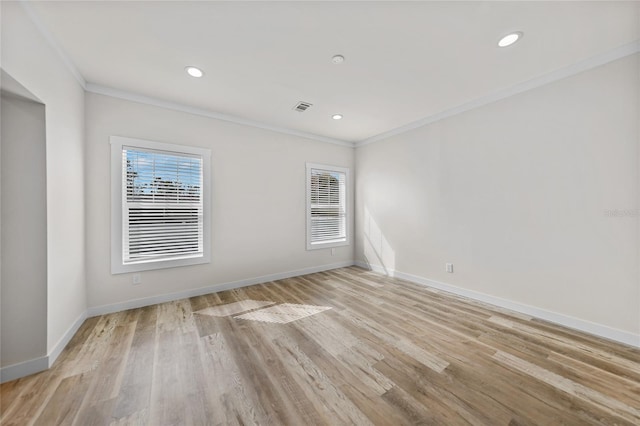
<point>102,90</point>
<point>135,97</point>
<point>559,74</point>
<point>53,42</point>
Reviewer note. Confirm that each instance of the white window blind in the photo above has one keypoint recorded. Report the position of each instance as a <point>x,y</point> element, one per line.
<point>327,207</point>
<point>162,206</point>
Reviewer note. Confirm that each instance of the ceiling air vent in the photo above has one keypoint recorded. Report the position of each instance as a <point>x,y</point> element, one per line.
<point>302,106</point>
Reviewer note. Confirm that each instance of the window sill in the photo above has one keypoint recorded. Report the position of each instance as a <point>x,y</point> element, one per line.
<point>327,244</point>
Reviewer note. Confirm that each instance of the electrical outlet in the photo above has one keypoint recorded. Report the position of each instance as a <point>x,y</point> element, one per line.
<point>449,267</point>
<point>137,279</point>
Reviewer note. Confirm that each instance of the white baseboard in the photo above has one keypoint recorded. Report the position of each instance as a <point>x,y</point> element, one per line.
<point>27,368</point>
<point>22,369</point>
<point>147,301</point>
<point>66,338</point>
<point>554,317</point>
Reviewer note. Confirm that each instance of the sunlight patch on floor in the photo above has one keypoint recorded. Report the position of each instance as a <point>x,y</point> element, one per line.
<point>234,308</point>
<point>284,313</point>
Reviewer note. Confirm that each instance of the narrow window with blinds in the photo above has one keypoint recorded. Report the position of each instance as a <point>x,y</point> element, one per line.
<point>326,206</point>
<point>163,214</point>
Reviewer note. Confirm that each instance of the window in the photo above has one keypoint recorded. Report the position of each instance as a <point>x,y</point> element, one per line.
<point>159,205</point>
<point>326,206</point>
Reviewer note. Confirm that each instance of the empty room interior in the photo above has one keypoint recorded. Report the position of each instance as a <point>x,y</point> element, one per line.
<point>320,212</point>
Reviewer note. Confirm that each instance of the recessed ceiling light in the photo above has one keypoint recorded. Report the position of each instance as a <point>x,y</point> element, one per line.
<point>194,72</point>
<point>337,116</point>
<point>337,59</point>
<point>509,39</point>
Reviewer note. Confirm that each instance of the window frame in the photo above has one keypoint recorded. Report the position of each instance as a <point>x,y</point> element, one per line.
<point>347,213</point>
<point>117,205</point>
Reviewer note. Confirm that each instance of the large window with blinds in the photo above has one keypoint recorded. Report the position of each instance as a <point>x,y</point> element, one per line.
<point>327,220</point>
<point>160,206</point>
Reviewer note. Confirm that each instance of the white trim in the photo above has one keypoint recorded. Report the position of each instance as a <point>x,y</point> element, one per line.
<point>23,369</point>
<point>135,97</point>
<point>559,74</point>
<point>53,42</point>
<point>15,371</point>
<point>568,71</point>
<point>554,317</point>
<point>153,300</point>
<point>117,200</point>
<point>27,368</point>
<point>65,339</point>
<point>347,231</point>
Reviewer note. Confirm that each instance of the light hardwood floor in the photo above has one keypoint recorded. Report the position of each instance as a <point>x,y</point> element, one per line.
<point>387,352</point>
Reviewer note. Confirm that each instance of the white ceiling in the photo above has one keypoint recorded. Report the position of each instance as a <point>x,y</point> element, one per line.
<point>404,60</point>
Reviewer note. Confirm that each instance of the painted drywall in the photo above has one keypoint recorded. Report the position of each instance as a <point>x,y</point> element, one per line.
<point>533,198</point>
<point>28,57</point>
<point>23,233</point>
<point>258,199</point>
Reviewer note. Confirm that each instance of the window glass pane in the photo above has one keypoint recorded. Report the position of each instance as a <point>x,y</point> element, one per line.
<point>327,210</point>
<point>162,210</point>
<point>159,177</point>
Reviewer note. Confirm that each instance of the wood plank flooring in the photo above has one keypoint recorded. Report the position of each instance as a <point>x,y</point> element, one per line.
<point>387,352</point>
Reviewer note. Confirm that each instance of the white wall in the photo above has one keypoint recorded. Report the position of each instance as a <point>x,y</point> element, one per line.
<point>28,58</point>
<point>514,194</point>
<point>258,223</point>
<point>24,231</point>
